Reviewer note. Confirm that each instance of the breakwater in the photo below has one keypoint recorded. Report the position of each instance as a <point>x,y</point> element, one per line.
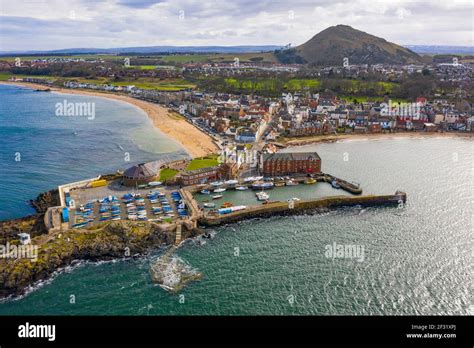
<point>302,207</point>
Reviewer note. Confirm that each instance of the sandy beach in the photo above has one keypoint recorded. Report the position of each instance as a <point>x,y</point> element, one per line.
<point>346,137</point>
<point>194,141</point>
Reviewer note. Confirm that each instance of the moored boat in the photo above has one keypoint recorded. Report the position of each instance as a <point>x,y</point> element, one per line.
<point>209,205</point>
<point>219,190</point>
<point>262,196</point>
<point>262,185</point>
<point>217,196</point>
<point>205,192</point>
<point>310,181</point>
<point>241,188</point>
<point>335,184</point>
<point>291,183</point>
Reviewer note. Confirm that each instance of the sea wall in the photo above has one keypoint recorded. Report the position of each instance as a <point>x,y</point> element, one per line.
<point>303,207</point>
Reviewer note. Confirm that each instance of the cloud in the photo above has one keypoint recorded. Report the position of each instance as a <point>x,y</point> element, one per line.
<point>55,24</point>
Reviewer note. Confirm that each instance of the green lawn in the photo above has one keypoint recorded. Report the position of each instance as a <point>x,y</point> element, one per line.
<point>203,162</point>
<point>161,85</point>
<point>167,173</point>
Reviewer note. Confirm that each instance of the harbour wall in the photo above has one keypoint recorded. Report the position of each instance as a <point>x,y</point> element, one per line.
<point>302,207</point>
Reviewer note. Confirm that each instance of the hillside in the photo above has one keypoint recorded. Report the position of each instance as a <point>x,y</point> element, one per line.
<point>330,46</point>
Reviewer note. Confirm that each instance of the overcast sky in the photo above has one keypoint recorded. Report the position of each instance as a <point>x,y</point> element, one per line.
<point>56,24</point>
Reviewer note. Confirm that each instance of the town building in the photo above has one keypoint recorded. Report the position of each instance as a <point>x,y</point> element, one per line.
<point>140,174</point>
<point>290,163</point>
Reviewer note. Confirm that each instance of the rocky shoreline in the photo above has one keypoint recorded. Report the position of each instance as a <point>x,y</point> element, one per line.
<point>113,240</point>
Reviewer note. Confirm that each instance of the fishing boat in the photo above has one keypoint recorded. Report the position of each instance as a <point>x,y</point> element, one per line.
<point>279,184</point>
<point>219,190</point>
<point>241,188</point>
<point>292,183</point>
<point>217,196</point>
<point>231,182</point>
<point>262,185</point>
<point>209,205</point>
<point>226,205</point>
<point>262,196</point>
<point>310,181</point>
<point>216,183</point>
<point>206,192</point>
<point>249,179</point>
<point>335,184</point>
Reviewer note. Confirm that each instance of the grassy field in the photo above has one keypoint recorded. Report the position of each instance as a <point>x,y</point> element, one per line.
<point>275,85</point>
<point>203,162</point>
<point>167,173</point>
<point>218,58</point>
<point>161,85</point>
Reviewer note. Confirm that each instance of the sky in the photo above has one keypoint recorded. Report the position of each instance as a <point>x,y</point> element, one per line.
<point>57,24</point>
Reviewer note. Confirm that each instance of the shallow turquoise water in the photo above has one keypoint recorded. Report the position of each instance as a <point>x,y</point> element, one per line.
<point>54,150</point>
<point>416,259</point>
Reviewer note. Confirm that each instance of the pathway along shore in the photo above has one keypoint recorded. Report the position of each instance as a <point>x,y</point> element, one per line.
<point>194,141</point>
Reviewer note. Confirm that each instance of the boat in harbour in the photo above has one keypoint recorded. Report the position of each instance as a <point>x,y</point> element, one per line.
<point>219,190</point>
<point>217,196</point>
<point>262,196</point>
<point>291,183</point>
<point>279,184</point>
<point>310,181</point>
<point>262,185</point>
<point>241,188</point>
<point>335,184</point>
<point>209,205</point>
<point>231,182</point>
<point>205,192</point>
<point>216,183</point>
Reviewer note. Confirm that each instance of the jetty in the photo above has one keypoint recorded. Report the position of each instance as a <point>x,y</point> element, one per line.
<point>301,207</point>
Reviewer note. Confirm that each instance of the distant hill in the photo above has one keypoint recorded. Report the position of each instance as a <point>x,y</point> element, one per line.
<point>155,49</point>
<point>333,44</point>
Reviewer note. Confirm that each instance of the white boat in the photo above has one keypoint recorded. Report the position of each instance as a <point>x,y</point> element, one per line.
<point>155,183</point>
<point>294,199</point>
<point>292,183</point>
<point>219,190</point>
<point>262,196</point>
<point>217,183</point>
<point>241,188</point>
<point>205,192</point>
<point>249,179</point>
<point>231,182</point>
<point>209,205</point>
<point>217,196</point>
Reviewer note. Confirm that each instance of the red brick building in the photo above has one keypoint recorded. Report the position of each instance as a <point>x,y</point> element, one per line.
<point>281,163</point>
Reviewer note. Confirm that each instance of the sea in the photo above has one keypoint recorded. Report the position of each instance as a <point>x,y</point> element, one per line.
<point>414,259</point>
<point>41,150</point>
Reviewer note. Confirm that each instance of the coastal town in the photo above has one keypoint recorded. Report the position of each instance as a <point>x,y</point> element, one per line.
<point>246,141</point>
<point>240,118</point>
